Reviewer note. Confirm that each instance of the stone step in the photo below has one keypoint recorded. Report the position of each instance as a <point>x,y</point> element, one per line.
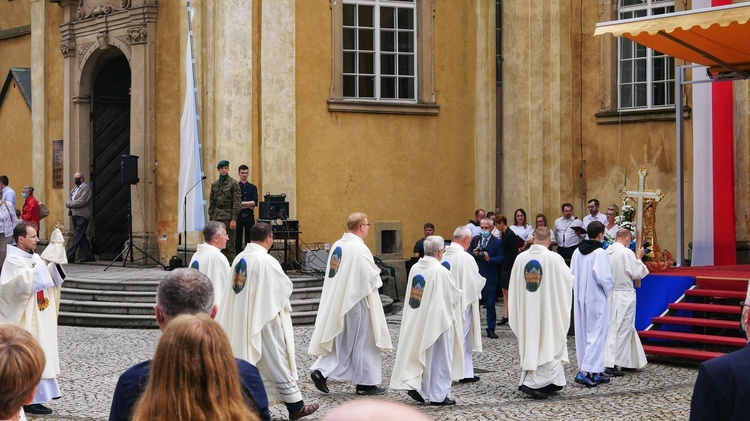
<point>306,282</point>
<point>75,294</point>
<point>302,293</point>
<point>105,285</point>
<point>107,320</point>
<point>307,304</point>
<point>105,307</point>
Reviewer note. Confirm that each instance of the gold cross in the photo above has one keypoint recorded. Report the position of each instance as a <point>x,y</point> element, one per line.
<point>638,196</point>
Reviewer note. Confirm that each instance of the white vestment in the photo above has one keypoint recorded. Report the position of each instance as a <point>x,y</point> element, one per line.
<point>430,350</point>
<point>623,344</point>
<point>350,328</point>
<point>210,262</point>
<point>466,275</point>
<point>255,313</point>
<point>539,300</point>
<point>30,298</point>
<point>592,288</point>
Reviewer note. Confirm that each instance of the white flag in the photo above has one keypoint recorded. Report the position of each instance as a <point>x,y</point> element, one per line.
<point>191,213</point>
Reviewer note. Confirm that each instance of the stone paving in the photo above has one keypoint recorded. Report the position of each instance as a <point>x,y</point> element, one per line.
<point>93,358</point>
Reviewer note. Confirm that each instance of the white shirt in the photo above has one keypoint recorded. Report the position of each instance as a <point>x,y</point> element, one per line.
<point>591,218</point>
<point>564,233</point>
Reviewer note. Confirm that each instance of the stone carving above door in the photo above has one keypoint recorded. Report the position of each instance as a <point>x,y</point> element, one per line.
<point>93,8</point>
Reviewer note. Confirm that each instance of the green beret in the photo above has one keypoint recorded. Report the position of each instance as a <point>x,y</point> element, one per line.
<point>222,163</point>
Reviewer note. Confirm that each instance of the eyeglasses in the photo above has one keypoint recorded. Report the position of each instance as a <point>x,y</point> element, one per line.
<point>367,225</point>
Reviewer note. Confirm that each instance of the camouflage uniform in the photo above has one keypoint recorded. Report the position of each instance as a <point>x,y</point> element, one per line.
<point>224,206</point>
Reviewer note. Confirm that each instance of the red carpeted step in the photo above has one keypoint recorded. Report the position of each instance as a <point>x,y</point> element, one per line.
<point>674,320</point>
<point>718,293</point>
<point>691,354</point>
<point>732,284</point>
<point>708,308</point>
<point>693,337</point>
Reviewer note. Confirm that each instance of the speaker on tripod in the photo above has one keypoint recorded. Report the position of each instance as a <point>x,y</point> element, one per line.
<point>129,176</point>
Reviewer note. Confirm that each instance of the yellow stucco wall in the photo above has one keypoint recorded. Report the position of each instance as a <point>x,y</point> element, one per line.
<point>54,74</point>
<point>411,169</point>
<point>14,14</point>
<point>168,112</point>
<point>15,119</point>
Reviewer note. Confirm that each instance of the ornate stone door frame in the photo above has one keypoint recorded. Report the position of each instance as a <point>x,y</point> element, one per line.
<point>91,29</point>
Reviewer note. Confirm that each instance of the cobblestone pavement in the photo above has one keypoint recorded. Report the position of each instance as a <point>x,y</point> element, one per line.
<point>93,358</point>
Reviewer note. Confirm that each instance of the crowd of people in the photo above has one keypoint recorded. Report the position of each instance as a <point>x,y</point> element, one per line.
<point>227,348</point>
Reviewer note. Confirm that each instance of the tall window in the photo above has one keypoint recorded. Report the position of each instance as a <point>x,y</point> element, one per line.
<point>380,50</point>
<point>645,78</point>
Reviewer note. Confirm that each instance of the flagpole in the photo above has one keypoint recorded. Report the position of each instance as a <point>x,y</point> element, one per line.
<point>195,85</point>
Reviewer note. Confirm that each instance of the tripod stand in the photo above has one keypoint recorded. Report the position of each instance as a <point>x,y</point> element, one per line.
<point>128,250</point>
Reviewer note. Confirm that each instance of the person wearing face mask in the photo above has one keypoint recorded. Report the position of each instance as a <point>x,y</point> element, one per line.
<point>79,208</point>
<point>488,253</point>
<point>30,207</point>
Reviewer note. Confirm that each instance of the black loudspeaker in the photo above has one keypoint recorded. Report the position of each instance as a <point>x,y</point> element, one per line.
<point>129,169</point>
<point>271,210</point>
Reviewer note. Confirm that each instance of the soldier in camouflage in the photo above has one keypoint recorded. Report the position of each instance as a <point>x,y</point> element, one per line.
<point>224,204</point>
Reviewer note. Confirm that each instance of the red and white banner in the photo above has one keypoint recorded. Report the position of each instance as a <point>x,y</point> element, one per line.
<point>714,236</point>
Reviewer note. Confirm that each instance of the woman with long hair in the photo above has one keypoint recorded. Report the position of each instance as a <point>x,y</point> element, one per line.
<point>521,227</point>
<point>193,375</point>
<point>541,221</point>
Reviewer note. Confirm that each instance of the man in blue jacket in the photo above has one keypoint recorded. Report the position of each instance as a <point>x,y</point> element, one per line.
<point>488,253</point>
<point>183,291</point>
<point>722,388</point>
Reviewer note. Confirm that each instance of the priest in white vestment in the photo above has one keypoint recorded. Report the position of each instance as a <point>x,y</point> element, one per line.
<point>624,348</point>
<point>540,294</point>
<point>430,349</point>
<point>255,313</point>
<point>209,260</point>
<point>30,298</point>
<point>592,288</point>
<point>465,272</point>
<point>350,329</point>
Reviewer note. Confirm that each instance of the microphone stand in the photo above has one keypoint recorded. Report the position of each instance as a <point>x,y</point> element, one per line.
<point>184,219</point>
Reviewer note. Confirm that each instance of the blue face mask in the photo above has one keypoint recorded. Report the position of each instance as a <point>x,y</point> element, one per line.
<point>485,234</point>
<point>23,195</point>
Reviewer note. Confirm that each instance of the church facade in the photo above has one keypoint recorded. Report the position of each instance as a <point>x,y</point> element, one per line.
<point>411,111</point>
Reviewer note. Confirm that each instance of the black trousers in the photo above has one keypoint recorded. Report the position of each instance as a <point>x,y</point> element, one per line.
<point>242,236</point>
<point>80,240</point>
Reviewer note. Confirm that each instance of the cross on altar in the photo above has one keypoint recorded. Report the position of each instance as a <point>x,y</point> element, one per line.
<point>638,196</point>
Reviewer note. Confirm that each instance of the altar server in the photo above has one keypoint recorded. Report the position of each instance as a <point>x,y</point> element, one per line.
<point>624,348</point>
<point>592,288</point>
<point>255,313</point>
<point>430,351</point>
<point>540,296</point>
<point>350,330</point>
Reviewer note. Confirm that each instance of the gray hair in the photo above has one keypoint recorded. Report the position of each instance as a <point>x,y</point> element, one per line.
<point>541,235</point>
<point>461,232</point>
<point>185,291</point>
<point>433,244</point>
<point>487,221</point>
<point>212,228</point>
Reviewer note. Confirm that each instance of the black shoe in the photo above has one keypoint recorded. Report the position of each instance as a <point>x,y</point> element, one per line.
<point>37,409</point>
<point>550,388</point>
<point>446,402</point>
<point>491,334</point>
<point>503,322</point>
<point>319,380</point>
<point>415,395</point>
<point>613,372</point>
<point>370,390</point>
<point>305,411</point>
<point>532,392</point>
<point>469,380</point>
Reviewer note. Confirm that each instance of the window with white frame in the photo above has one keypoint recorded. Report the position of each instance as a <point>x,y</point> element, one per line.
<point>380,50</point>
<point>645,78</point>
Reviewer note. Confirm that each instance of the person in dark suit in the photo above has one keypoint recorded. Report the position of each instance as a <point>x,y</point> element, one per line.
<point>722,388</point>
<point>488,253</point>
<point>79,208</point>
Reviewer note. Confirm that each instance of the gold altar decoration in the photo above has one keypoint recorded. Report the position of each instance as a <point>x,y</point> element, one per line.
<point>645,225</point>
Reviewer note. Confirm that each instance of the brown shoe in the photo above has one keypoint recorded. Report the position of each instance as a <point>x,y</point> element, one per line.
<point>305,411</point>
